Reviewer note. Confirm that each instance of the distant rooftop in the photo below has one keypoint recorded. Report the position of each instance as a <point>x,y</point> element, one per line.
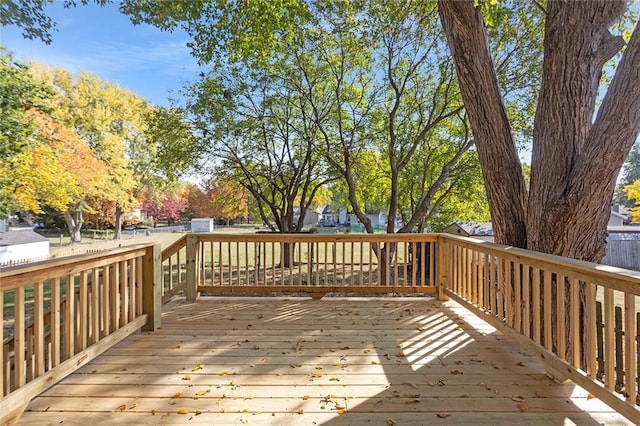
<point>20,236</point>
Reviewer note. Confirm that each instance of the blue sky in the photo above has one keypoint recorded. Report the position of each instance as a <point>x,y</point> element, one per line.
<point>101,40</point>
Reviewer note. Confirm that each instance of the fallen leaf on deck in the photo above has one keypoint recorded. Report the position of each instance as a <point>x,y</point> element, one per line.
<point>177,395</point>
<point>412,401</point>
<point>521,364</point>
<point>458,362</point>
<point>177,347</point>
<point>334,379</point>
<point>443,415</point>
<point>391,422</point>
<point>123,407</point>
<point>153,412</point>
<point>223,373</point>
<point>456,372</point>
<point>203,392</point>
<point>183,411</point>
<point>517,398</point>
<point>306,397</point>
<point>186,377</point>
<point>523,408</point>
<point>197,367</point>
<point>591,396</point>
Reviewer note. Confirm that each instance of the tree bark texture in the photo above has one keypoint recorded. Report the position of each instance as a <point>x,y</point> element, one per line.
<point>575,158</point>
<point>501,169</point>
<point>74,221</point>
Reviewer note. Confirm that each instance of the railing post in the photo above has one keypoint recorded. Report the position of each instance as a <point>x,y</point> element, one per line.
<point>192,268</point>
<point>442,267</point>
<point>152,287</point>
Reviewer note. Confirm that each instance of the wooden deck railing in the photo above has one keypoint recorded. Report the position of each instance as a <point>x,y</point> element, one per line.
<point>312,263</point>
<point>174,269</point>
<point>580,318</point>
<point>60,314</point>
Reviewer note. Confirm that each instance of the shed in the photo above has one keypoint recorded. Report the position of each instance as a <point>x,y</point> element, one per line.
<point>202,225</point>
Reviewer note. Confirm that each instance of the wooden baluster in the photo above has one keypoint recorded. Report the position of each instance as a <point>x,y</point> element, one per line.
<point>609,339</point>
<point>114,297</point>
<point>526,301</point>
<point>38,329</point>
<point>561,323</point>
<point>19,337</point>
<point>630,332</point>
<point>548,307</point>
<point>83,319</point>
<point>105,301</point>
<point>536,306</point>
<point>575,322</point>
<point>69,319</point>
<point>124,294</point>
<point>590,330</point>
<point>95,307</point>
<point>517,288</point>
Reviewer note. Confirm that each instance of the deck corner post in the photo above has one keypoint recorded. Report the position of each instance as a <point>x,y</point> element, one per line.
<point>192,293</point>
<point>152,287</point>
<point>442,267</point>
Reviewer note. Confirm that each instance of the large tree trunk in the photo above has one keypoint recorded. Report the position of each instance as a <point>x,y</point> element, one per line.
<point>575,162</point>
<point>575,159</point>
<point>118,223</point>
<point>74,221</point>
<point>504,181</point>
<point>569,202</point>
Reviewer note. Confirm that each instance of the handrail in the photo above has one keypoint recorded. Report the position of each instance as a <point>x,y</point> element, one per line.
<point>67,311</point>
<point>580,318</point>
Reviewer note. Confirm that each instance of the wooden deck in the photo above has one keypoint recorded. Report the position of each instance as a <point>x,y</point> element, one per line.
<point>335,361</point>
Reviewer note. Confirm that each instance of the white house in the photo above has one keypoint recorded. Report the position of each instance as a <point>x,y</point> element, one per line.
<point>481,230</point>
<point>22,244</point>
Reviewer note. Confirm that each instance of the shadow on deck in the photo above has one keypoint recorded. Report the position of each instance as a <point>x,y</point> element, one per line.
<point>335,361</point>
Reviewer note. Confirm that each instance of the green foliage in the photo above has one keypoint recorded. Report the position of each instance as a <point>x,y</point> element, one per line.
<point>28,15</point>
<point>19,95</point>
<point>21,98</point>
<point>243,30</point>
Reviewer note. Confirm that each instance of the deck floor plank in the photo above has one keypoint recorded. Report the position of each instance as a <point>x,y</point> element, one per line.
<point>335,361</point>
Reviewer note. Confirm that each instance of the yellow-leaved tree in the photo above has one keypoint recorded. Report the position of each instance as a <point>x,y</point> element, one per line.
<point>104,118</point>
<point>633,193</point>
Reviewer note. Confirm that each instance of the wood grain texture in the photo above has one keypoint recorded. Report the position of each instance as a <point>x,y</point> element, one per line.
<point>279,360</point>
